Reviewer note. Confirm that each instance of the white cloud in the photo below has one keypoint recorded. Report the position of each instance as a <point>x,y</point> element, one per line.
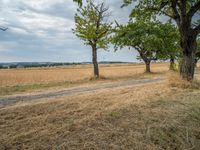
<point>19,30</point>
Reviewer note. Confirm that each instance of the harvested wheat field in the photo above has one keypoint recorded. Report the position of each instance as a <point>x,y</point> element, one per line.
<point>71,73</point>
<point>160,112</point>
<point>22,80</point>
<point>150,117</point>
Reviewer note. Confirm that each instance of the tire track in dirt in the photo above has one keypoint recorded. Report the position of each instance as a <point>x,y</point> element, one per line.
<point>11,100</point>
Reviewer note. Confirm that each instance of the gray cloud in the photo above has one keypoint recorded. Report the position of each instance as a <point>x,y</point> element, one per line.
<point>40,30</point>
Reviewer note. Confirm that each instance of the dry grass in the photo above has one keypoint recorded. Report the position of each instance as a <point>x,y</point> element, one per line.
<point>174,80</point>
<point>146,117</point>
<point>25,80</point>
<point>156,116</point>
<point>70,74</point>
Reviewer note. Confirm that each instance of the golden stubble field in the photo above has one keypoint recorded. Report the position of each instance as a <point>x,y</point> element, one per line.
<point>153,117</point>
<point>14,77</point>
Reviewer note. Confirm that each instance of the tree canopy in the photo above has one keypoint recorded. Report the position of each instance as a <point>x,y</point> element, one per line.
<point>152,40</point>
<point>158,39</point>
<point>78,1</point>
<point>93,28</point>
<point>174,9</point>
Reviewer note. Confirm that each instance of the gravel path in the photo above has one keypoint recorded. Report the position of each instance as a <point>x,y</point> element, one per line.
<point>11,100</point>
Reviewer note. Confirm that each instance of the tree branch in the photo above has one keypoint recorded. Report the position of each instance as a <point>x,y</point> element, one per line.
<point>166,14</point>
<point>194,9</point>
<point>137,48</point>
<point>79,2</point>
<point>197,30</point>
<point>163,4</point>
<point>3,29</point>
<point>102,34</point>
<point>176,15</point>
<point>182,6</point>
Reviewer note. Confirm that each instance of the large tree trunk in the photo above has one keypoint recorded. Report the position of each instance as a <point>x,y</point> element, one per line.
<point>189,45</point>
<point>146,60</point>
<point>188,34</point>
<point>148,66</point>
<point>196,62</point>
<point>94,61</point>
<point>172,64</point>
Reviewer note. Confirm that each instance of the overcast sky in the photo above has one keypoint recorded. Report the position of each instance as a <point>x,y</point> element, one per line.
<point>40,30</point>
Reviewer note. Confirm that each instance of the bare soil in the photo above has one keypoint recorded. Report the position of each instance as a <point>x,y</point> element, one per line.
<point>10,100</point>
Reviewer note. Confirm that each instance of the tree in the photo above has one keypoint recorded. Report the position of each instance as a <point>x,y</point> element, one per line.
<point>79,2</point>
<point>92,27</point>
<point>198,52</point>
<point>148,38</point>
<point>182,12</point>
<point>171,47</point>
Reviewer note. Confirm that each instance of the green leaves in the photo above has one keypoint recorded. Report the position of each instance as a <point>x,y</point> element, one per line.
<point>79,2</point>
<point>198,49</point>
<point>174,9</point>
<point>154,39</point>
<point>91,25</point>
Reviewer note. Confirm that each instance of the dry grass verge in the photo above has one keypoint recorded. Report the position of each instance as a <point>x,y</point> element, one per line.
<point>146,117</point>
<point>175,81</point>
<point>21,88</point>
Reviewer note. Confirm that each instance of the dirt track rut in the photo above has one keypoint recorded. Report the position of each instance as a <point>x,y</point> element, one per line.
<point>10,100</point>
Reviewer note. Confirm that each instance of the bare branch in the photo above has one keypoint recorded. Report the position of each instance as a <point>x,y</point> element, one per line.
<point>3,29</point>
<point>176,14</point>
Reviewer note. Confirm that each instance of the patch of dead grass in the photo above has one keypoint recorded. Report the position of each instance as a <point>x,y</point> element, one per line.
<point>14,89</point>
<point>145,117</point>
<point>174,80</point>
<point>68,118</point>
<point>14,77</point>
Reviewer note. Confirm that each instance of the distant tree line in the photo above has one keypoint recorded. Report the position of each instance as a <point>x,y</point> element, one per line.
<point>34,65</point>
<point>38,65</point>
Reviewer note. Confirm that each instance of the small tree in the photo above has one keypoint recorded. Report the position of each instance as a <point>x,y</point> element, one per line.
<point>171,46</point>
<point>148,38</point>
<point>92,27</point>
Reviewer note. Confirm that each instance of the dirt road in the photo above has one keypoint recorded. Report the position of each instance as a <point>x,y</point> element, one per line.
<point>11,100</point>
